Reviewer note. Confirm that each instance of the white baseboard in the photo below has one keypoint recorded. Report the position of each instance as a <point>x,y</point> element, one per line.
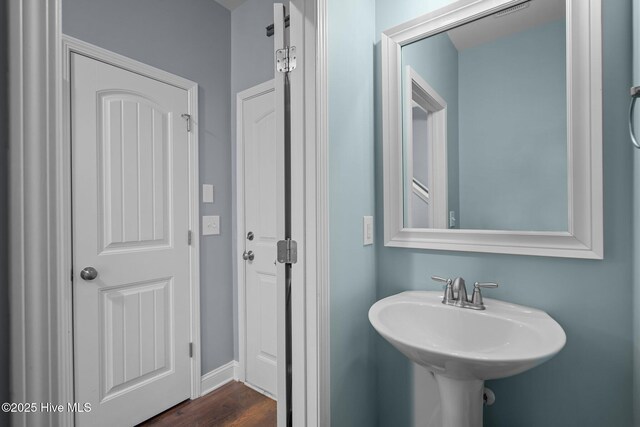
<point>261,391</point>
<point>219,377</point>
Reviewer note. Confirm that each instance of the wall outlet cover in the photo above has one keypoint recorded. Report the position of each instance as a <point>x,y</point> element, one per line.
<point>210,225</point>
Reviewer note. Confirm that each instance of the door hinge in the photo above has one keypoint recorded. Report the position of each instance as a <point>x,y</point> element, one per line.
<point>187,117</point>
<point>190,349</point>
<point>72,275</point>
<point>189,237</point>
<point>287,251</point>
<point>286,59</point>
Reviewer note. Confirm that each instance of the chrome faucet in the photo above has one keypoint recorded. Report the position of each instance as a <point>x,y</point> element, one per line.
<point>455,293</point>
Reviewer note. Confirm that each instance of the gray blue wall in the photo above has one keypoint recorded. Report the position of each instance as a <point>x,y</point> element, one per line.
<point>513,173</point>
<point>252,50</point>
<point>351,196</point>
<point>589,383</point>
<point>4,211</point>
<point>190,38</point>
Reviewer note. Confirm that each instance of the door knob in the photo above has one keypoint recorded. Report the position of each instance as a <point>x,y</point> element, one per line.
<point>89,273</point>
<point>248,255</point>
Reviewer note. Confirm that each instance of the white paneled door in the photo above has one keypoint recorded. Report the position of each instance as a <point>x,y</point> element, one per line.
<point>259,142</point>
<point>130,180</point>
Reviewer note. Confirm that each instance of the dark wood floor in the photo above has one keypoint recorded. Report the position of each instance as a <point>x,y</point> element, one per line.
<point>233,404</point>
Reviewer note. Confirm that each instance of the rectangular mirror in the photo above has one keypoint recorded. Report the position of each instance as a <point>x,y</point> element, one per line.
<point>492,128</point>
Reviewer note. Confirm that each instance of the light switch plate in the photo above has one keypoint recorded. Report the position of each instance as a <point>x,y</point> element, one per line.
<point>210,225</point>
<point>367,230</point>
<point>207,193</point>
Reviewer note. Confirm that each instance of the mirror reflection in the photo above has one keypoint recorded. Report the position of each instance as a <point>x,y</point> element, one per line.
<point>485,123</point>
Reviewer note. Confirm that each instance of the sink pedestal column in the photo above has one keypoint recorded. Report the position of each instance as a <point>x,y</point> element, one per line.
<point>461,401</point>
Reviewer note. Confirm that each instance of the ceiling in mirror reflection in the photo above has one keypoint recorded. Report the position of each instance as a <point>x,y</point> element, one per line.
<point>524,16</point>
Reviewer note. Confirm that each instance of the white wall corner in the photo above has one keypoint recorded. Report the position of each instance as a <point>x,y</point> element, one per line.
<point>218,377</point>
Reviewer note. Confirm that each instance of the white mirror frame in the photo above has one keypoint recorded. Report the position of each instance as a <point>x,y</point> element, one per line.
<point>584,238</point>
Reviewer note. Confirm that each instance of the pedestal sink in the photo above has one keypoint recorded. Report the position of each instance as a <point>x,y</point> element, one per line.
<point>464,347</point>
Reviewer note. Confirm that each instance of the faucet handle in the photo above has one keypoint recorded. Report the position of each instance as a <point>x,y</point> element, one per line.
<point>485,285</point>
<point>476,298</point>
<point>441,279</point>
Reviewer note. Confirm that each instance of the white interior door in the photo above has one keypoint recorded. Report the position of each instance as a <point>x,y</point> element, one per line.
<point>260,225</point>
<point>130,223</point>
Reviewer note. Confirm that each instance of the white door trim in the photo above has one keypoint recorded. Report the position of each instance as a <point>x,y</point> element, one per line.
<point>72,45</point>
<point>37,271</point>
<point>417,92</point>
<point>319,53</point>
<point>309,210</point>
<point>241,98</point>
<point>285,396</point>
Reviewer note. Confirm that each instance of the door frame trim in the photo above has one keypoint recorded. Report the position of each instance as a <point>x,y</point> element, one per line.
<point>71,45</point>
<point>36,275</point>
<point>310,214</point>
<point>241,98</point>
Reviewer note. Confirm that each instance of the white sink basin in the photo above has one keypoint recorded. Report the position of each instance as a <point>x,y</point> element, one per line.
<point>464,347</point>
<point>503,340</point>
